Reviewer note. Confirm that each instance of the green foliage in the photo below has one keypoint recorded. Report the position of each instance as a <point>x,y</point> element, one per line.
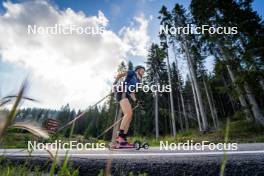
<point>101,173</point>
<point>239,131</point>
<point>13,170</point>
<point>65,169</point>
<point>238,115</point>
<point>25,169</point>
<point>17,140</point>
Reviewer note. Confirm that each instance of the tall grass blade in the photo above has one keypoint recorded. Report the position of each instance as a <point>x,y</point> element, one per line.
<point>31,128</point>
<point>65,164</point>
<point>223,165</point>
<point>4,102</point>
<point>15,96</point>
<point>54,165</point>
<point>12,113</point>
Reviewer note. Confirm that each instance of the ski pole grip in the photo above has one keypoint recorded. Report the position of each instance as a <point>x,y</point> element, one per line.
<point>115,82</point>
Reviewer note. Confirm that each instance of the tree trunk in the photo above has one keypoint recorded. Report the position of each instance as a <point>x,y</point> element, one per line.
<point>171,96</point>
<point>196,86</point>
<point>242,98</point>
<point>181,96</point>
<point>156,108</point>
<point>196,106</point>
<point>261,82</point>
<point>214,107</point>
<point>180,115</point>
<point>222,108</point>
<point>184,113</point>
<point>170,119</point>
<point>254,105</point>
<point>215,120</point>
<point>190,110</point>
<point>157,115</point>
<point>229,96</point>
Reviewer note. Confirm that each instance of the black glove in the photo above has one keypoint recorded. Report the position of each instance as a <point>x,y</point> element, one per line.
<point>115,82</point>
<point>139,103</point>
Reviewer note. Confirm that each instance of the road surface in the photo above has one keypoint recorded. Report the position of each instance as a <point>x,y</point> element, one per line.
<point>248,159</point>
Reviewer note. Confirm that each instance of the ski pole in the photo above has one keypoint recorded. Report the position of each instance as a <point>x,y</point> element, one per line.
<point>80,115</point>
<point>114,124</point>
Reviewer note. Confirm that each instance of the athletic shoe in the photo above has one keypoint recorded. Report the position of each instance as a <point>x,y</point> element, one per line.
<point>121,140</point>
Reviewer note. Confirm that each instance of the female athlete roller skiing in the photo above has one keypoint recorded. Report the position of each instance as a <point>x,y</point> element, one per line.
<point>124,97</point>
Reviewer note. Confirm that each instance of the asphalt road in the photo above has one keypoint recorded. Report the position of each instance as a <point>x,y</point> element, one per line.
<point>248,159</point>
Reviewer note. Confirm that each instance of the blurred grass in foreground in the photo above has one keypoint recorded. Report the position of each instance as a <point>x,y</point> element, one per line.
<point>7,121</point>
<point>7,124</point>
<point>240,132</point>
<point>26,168</point>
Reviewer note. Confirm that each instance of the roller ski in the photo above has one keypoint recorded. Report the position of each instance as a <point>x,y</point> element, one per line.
<point>121,143</point>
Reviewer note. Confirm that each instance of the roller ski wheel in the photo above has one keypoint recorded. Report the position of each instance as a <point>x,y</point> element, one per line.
<point>145,145</point>
<point>139,145</point>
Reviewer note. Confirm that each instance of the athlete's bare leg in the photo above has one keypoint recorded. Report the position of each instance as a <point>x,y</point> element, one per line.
<point>128,112</point>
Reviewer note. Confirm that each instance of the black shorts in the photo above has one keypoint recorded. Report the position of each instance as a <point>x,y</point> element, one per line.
<point>119,96</point>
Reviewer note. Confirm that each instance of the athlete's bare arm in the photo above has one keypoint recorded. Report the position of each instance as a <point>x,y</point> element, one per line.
<point>121,75</point>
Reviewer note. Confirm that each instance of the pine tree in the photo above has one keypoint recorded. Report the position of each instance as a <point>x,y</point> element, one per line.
<point>241,51</point>
<point>165,20</point>
<point>179,19</point>
<point>155,68</point>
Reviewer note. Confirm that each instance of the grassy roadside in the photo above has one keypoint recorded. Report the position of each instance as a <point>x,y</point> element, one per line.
<point>51,168</point>
<point>240,132</point>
